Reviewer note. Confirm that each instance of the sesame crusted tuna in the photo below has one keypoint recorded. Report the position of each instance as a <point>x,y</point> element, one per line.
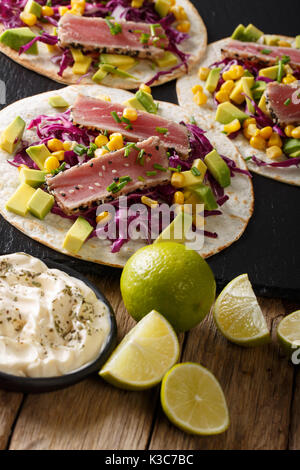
<point>283,103</point>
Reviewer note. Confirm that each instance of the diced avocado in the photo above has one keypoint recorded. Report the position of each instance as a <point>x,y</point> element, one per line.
<point>218,168</point>
<point>247,83</point>
<point>147,101</point>
<point>270,72</point>
<point>11,136</point>
<point>236,94</point>
<point>263,104</point>
<point>34,8</point>
<point>238,33</point>
<point>295,154</point>
<point>258,89</point>
<point>134,103</point>
<point>252,34</point>
<point>271,40</point>
<point>177,230</point>
<point>40,203</point>
<point>99,75</point>
<point>297,42</point>
<point>116,71</point>
<point>206,196</point>
<point>191,179</point>
<point>38,153</point>
<point>117,60</point>
<point>212,80</point>
<point>31,177</point>
<point>227,112</point>
<point>168,60</point>
<point>162,7</point>
<point>17,37</point>
<point>19,200</point>
<point>58,101</point>
<point>77,235</point>
<point>291,146</point>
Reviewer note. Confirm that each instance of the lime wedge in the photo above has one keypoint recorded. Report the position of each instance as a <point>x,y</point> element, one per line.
<point>288,332</point>
<point>193,400</point>
<point>238,315</point>
<point>144,355</point>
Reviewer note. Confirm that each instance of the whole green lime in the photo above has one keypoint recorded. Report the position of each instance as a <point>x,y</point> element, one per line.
<point>171,279</point>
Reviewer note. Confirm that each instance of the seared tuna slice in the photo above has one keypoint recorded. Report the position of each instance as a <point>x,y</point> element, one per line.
<point>130,38</point>
<point>100,114</point>
<point>260,53</point>
<point>283,102</point>
<point>144,165</point>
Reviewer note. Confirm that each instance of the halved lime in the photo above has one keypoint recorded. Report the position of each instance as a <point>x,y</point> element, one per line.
<point>193,400</point>
<point>238,315</point>
<point>144,355</point>
<point>288,332</point>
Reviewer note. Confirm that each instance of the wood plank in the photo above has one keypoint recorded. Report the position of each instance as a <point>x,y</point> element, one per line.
<point>9,406</point>
<point>257,384</point>
<point>92,414</point>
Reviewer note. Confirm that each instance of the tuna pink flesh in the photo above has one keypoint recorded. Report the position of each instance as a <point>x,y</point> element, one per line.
<point>277,95</point>
<point>94,33</point>
<point>252,50</point>
<point>82,185</point>
<point>96,113</point>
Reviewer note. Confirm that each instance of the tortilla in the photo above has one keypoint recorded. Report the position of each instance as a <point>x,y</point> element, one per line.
<point>290,175</point>
<point>52,230</point>
<point>195,45</point>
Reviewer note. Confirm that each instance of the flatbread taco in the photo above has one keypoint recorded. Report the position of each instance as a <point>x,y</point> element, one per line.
<point>62,171</point>
<point>248,87</point>
<point>117,43</point>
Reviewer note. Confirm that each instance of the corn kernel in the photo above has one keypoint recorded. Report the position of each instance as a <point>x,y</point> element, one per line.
<point>253,130</point>
<point>283,43</point>
<point>101,140</point>
<point>149,202</point>
<point>289,79</point>
<point>47,11</point>
<point>130,113</point>
<point>51,163</point>
<point>68,145</point>
<point>22,166</point>
<point>227,75</point>
<point>179,13</point>
<point>258,143</point>
<point>115,142</point>
<point>137,3</point>
<point>75,11</point>
<point>145,88</point>
<point>80,3</point>
<point>200,98</point>
<point>177,180</point>
<point>103,217</point>
<point>100,152</point>
<point>197,88</point>
<point>52,49</point>
<point>274,152</point>
<point>62,10</point>
<point>55,144</point>
<point>275,140</point>
<point>60,155</point>
<point>203,73</point>
<point>178,197</point>
<point>288,69</point>
<point>222,96</point>
<point>228,86</point>
<point>237,71</point>
<point>233,126</point>
<point>184,26</point>
<point>249,121</point>
<point>296,133</point>
<point>288,130</point>
<point>246,133</point>
<point>266,132</point>
<point>28,18</point>
<point>172,2</point>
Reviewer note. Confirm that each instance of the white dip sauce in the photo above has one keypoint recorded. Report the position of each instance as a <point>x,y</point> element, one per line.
<point>50,323</point>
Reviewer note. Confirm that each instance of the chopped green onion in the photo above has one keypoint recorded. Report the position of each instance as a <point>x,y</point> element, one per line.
<point>141,178</point>
<point>91,150</point>
<point>193,121</point>
<point>195,171</point>
<point>287,102</point>
<point>144,38</point>
<point>137,31</point>
<point>140,157</point>
<point>177,170</point>
<point>266,51</point>
<point>62,167</point>
<point>112,186</point>
<point>106,148</point>
<point>151,173</point>
<point>247,159</point>
<point>280,71</point>
<point>152,28</point>
<point>159,167</point>
<point>105,133</point>
<point>124,179</point>
<point>162,130</point>
<point>122,185</point>
<point>80,149</point>
<point>115,28</point>
<point>116,117</point>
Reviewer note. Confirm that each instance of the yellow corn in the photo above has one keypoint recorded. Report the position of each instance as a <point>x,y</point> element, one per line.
<point>274,152</point>
<point>288,69</point>
<point>137,3</point>
<point>283,43</point>
<point>28,18</point>
<point>115,142</point>
<point>145,88</point>
<point>179,13</point>
<point>222,96</point>
<point>149,202</point>
<point>47,11</point>
<point>203,73</point>
<point>184,26</point>
<point>60,155</point>
<point>100,152</point>
<point>51,163</point>
<point>296,133</point>
<point>101,140</point>
<point>177,180</point>
<point>62,10</point>
<point>289,79</point>
<point>178,197</point>
<point>227,86</point>
<point>67,145</point>
<point>200,98</point>
<point>233,126</point>
<point>253,130</point>
<point>51,48</point>
<point>76,3</point>
<point>55,144</point>
<point>275,140</point>
<point>266,132</point>
<point>172,2</point>
<point>226,75</point>
<point>288,130</point>
<point>258,143</point>
<point>103,217</point>
<point>197,88</point>
<point>130,113</point>
<point>249,121</point>
<point>75,11</point>
<point>234,73</point>
<point>22,166</point>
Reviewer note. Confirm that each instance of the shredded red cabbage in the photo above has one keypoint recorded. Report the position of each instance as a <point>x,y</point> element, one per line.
<point>10,11</point>
<point>44,37</point>
<point>284,164</point>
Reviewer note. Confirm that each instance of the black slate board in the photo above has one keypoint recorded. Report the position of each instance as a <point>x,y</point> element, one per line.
<point>269,249</point>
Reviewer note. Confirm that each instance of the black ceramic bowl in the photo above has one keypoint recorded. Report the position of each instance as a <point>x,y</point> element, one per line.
<point>47,384</point>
